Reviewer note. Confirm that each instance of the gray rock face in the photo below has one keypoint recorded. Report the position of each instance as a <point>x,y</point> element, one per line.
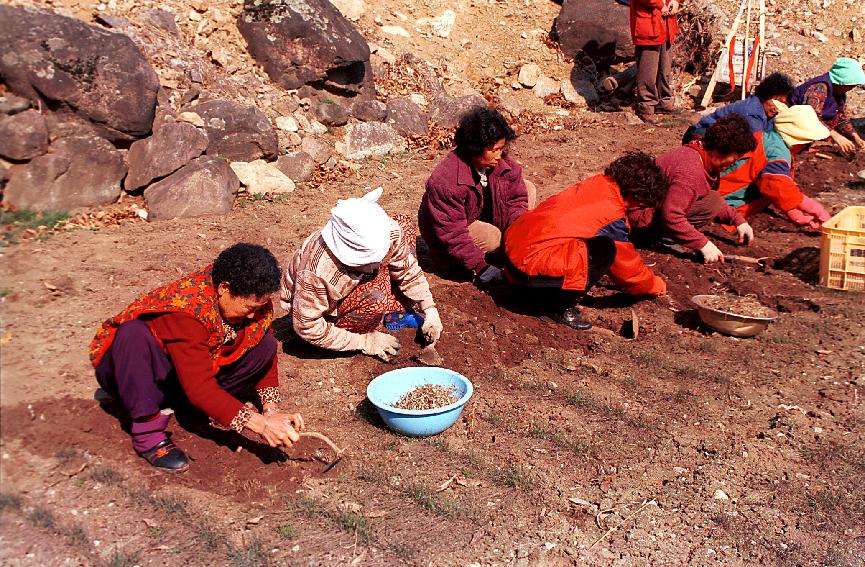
<point>446,111</point>
<point>170,148</point>
<point>11,104</point>
<point>369,110</point>
<point>307,42</point>
<point>299,166</point>
<point>406,117</point>
<point>204,186</point>
<point>370,139</point>
<point>318,149</point>
<point>82,171</point>
<point>97,74</point>
<point>599,28</point>
<point>237,132</point>
<point>23,136</point>
<point>331,114</point>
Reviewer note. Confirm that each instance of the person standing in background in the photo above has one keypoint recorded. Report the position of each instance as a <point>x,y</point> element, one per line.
<point>654,26</point>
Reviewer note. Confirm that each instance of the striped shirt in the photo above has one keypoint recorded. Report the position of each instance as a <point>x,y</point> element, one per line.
<point>315,282</point>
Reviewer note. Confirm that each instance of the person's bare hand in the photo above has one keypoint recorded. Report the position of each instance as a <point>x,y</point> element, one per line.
<point>844,144</point>
<point>278,428</point>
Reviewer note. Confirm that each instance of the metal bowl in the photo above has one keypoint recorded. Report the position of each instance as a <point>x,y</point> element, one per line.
<point>729,323</point>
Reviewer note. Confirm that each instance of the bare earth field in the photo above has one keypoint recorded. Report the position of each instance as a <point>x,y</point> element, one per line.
<point>681,447</point>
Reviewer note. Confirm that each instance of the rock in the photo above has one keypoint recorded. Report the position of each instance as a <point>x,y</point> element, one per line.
<point>204,186</point>
<point>351,9</point>
<point>307,42</point>
<point>385,55</point>
<point>190,118</point>
<point>442,25</point>
<point>720,495</point>
<point>318,149</point>
<point>11,104</point>
<point>446,111</point>
<point>169,149</point>
<point>260,177</point>
<point>160,18</point>
<point>288,140</point>
<point>80,171</point>
<point>23,136</point>
<point>369,110</point>
<point>820,36</point>
<point>545,87</point>
<point>510,103</point>
<point>331,113</point>
<point>97,74</point>
<point>287,124</point>
<point>370,139</point>
<point>529,75</point>
<point>583,93</point>
<point>298,166</point>
<point>599,28</point>
<point>856,35</point>
<point>406,117</point>
<point>316,127</point>
<point>395,30</point>
<point>237,132</point>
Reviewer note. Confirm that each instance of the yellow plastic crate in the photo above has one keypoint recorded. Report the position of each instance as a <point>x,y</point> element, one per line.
<point>842,250</point>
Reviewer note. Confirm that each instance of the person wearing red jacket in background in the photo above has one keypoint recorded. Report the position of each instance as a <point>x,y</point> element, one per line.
<point>207,338</point>
<point>654,26</point>
<point>571,240</point>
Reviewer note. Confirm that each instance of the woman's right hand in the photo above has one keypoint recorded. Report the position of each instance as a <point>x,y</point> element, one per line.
<point>276,428</point>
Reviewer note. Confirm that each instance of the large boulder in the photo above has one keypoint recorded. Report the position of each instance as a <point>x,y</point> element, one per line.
<point>80,171</point>
<point>298,166</point>
<point>407,117</point>
<point>370,139</point>
<point>170,148</point>
<point>446,111</point>
<point>23,136</point>
<point>236,131</point>
<point>67,64</point>
<point>204,186</point>
<point>260,177</point>
<point>307,42</point>
<point>599,28</point>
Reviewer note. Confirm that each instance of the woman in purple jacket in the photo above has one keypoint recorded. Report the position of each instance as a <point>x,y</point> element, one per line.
<point>473,196</point>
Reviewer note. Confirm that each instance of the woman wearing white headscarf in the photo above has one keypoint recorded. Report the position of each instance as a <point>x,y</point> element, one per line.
<point>348,275</point>
<point>765,176</point>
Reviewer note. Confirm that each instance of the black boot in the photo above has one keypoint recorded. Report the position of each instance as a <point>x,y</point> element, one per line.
<point>167,456</point>
<point>572,317</point>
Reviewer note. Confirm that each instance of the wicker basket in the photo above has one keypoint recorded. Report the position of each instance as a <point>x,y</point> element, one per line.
<point>842,250</point>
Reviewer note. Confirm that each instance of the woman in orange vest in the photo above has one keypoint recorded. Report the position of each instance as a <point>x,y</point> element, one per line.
<point>571,240</point>
<point>208,336</point>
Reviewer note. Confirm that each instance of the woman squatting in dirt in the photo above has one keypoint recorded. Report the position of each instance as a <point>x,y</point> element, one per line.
<point>692,202</point>
<point>348,275</point>
<point>204,339</point>
<point>559,250</point>
<point>473,196</point>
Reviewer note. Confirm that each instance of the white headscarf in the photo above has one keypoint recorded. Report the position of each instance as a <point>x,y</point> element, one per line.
<point>799,124</point>
<point>358,232</point>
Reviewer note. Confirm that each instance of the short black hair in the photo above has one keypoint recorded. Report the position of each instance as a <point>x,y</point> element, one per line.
<point>730,135</point>
<point>639,178</point>
<point>774,85</point>
<point>248,269</point>
<point>479,128</point>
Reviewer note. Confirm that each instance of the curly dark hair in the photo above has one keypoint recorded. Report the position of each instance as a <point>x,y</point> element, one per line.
<point>479,128</point>
<point>248,269</point>
<point>774,85</point>
<point>730,135</point>
<point>639,178</point>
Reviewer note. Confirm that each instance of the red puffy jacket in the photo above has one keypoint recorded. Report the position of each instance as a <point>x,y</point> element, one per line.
<point>648,26</point>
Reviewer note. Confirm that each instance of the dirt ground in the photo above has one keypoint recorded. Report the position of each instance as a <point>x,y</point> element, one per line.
<point>681,447</point>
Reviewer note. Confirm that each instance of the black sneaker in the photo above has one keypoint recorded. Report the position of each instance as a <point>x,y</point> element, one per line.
<point>167,456</point>
<point>574,319</point>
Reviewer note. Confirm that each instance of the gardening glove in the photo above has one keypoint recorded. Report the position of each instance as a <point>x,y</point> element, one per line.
<point>746,234</point>
<point>802,219</point>
<point>711,253</point>
<point>815,209</point>
<point>380,345</point>
<point>432,325</point>
<point>490,274</point>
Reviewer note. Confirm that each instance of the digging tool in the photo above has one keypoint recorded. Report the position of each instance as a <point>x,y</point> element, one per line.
<point>334,447</point>
<point>429,356</point>
<point>736,259</point>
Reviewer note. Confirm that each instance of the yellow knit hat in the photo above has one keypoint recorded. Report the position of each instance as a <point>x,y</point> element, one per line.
<point>799,124</point>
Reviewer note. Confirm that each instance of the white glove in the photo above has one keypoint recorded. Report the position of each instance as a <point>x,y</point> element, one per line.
<point>380,345</point>
<point>432,325</point>
<point>711,253</point>
<point>490,274</point>
<point>746,233</point>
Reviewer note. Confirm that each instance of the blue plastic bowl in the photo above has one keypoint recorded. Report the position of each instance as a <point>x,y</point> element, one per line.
<point>386,389</point>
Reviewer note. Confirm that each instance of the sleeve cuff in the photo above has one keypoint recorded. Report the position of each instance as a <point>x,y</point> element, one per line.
<point>269,395</point>
<point>240,420</point>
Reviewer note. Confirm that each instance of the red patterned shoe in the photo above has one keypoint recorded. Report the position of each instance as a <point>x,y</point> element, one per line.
<point>167,456</point>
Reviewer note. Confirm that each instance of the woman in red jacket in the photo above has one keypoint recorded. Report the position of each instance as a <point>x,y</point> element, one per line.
<point>571,240</point>
<point>654,25</point>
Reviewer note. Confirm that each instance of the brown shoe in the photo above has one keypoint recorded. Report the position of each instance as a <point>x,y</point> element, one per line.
<point>649,118</point>
<point>672,109</point>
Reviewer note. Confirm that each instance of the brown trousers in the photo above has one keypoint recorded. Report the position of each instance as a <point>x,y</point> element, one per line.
<point>704,210</point>
<point>654,74</point>
<point>488,237</point>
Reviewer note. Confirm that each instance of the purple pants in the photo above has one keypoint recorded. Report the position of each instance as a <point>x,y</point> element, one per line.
<point>137,371</point>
